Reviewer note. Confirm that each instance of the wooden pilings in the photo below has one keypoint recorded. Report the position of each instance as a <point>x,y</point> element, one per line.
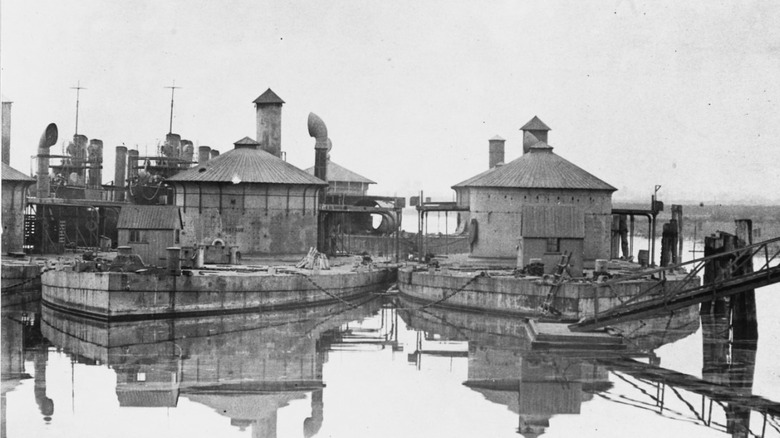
<point>743,306</point>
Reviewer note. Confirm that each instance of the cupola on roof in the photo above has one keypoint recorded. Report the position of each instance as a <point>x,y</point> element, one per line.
<point>269,97</point>
<point>535,124</point>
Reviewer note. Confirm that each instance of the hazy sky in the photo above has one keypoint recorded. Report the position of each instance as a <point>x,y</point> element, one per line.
<point>682,94</point>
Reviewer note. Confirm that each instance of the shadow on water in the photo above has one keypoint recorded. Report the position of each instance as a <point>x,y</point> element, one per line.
<point>247,367</point>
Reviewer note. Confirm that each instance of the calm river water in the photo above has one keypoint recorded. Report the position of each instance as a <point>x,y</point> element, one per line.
<point>382,369</point>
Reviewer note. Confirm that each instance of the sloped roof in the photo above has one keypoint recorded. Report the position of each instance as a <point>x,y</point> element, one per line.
<point>11,174</point>
<point>342,174</point>
<point>535,124</point>
<point>268,97</point>
<point>540,168</point>
<point>246,141</point>
<point>248,165</point>
<point>476,177</point>
<point>149,217</point>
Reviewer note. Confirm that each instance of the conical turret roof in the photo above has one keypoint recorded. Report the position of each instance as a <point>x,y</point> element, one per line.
<point>538,169</point>
<point>247,165</point>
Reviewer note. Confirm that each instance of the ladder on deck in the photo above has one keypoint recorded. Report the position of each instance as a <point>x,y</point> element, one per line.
<point>664,297</point>
<point>561,269</point>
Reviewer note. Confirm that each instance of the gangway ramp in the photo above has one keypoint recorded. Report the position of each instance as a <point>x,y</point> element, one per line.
<point>664,297</point>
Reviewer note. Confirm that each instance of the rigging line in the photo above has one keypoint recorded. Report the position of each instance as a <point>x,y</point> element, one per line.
<point>653,410</point>
<point>692,409</point>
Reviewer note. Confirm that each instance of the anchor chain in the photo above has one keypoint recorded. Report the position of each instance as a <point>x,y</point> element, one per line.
<point>336,297</point>
<point>25,282</point>
<point>461,289</point>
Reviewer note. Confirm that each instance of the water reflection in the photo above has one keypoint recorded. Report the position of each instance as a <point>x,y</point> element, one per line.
<point>246,369</point>
<point>537,385</point>
<point>243,366</point>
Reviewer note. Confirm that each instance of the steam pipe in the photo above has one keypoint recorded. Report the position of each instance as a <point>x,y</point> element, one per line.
<point>322,145</point>
<point>48,139</point>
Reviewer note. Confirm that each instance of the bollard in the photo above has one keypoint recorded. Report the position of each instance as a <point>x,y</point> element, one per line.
<point>174,260</point>
<point>234,255</point>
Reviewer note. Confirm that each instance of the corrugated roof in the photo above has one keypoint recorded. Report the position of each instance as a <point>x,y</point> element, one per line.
<point>149,217</point>
<point>535,124</point>
<point>538,169</point>
<point>247,165</point>
<point>11,174</point>
<point>342,174</point>
<point>268,97</point>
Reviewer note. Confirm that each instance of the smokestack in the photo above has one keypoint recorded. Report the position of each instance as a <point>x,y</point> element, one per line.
<point>187,151</point>
<point>533,132</point>
<point>120,165</point>
<point>48,139</point>
<point>214,153</point>
<point>80,153</point>
<point>132,164</point>
<point>322,145</point>
<point>495,151</point>
<point>269,122</point>
<point>7,133</point>
<point>173,142</point>
<point>203,154</point>
<point>95,158</point>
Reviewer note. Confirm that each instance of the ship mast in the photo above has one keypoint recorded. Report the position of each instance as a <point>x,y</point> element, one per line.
<point>78,89</point>
<point>173,88</point>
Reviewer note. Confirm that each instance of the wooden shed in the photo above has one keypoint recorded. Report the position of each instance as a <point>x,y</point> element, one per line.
<point>149,230</point>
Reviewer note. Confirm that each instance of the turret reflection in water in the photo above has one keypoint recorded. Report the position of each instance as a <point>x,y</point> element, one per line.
<point>504,369</point>
<point>245,367</point>
<point>537,385</point>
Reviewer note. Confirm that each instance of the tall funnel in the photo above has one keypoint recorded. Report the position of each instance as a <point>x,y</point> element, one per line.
<point>79,153</point>
<point>48,139</point>
<point>187,151</point>
<point>119,172</point>
<point>495,151</point>
<point>269,122</point>
<point>132,164</point>
<point>203,154</point>
<point>95,160</point>
<point>7,133</point>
